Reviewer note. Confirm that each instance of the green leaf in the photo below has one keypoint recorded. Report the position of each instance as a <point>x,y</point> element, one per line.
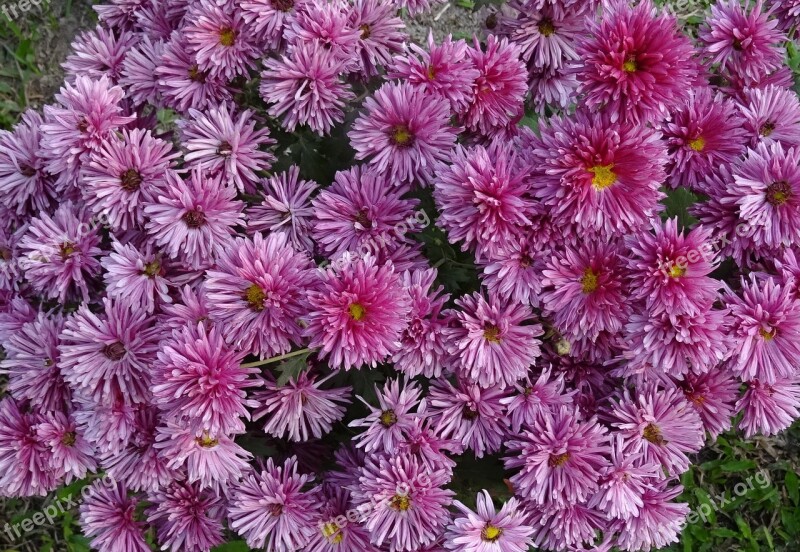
<point>738,466</point>
<point>677,204</point>
<point>233,546</point>
<point>792,487</point>
<point>291,368</point>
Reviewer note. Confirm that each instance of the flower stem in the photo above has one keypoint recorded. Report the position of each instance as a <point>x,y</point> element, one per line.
<point>276,358</point>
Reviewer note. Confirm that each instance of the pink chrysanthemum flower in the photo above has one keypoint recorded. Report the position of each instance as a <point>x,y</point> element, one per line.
<point>472,416</point>
<point>271,509</point>
<point>380,34</point>
<point>712,395</point>
<point>182,83</point>
<point>213,461</point>
<point>305,88</point>
<point>661,424</point>
<point>13,315</point>
<point>769,409</point>
<point>186,518</point>
<point>59,253</point>
<point>33,365</point>
<point>765,321</point>
<point>500,87</point>
<point>766,193</point>
<point>269,18</point>
<point>492,342</point>
<point>410,505</point>
<point>358,315</point>
<point>701,135</point>
<point>286,208</point>
<point>136,275</point>
<point>772,114</point>
<point>124,174</point>
<point>189,309</point>
<point>109,355</point>
<point>138,75</point>
<point>108,517</point>
<point>219,39</point>
<point>107,428</point>
<point>360,210</point>
<point>515,273</point>
<point>84,118</point>
<point>586,290</point>
<point>98,53</point>
<point>197,377</point>
<point>257,294</point>
<point>484,199</point>
<point>227,144</point>
<point>389,424</point>
<point>194,219</point>
<point>602,176</point>
<point>565,527</point>
<point>623,483</point>
<point>71,456</point>
<point>423,349</point>
<point>636,64</point>
<point>487,530</point>
<point>120,13</point>
<point>442,70</point>
<point>534,400</point>
<point>415,7</point>
<point>545,37</point>
<point>561,458</point>
<point>787,12</point>
<point>421,440</point>
<point>335,533</point>
<point>403,132</point>
<point>659,523</point>
<point>24,185</point>
<point>325,25</point>
<point>742,38</point>
<point>25,468</point>
<point>300,410</point>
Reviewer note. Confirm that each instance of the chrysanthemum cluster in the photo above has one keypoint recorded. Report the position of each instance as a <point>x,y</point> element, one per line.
<point>277,272</point>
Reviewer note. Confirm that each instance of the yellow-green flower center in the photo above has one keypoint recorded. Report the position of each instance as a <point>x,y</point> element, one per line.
<point>227,37</point>
<point>558,460</point>
<point>400,502</point>
<point>698,144</point>
<point>491,333</point>
<point>255,296</point>
<point>778,193</point>
<point>491,533</point>
<point>333,533</point>
<point>604,177</point>
<point>767,129</point>
<point>68,439</point>
<point>206,441</point>
<point>630,66</point>
<point>388,418</point>
<point>767,335</point>
<point>152,268</point>
<point>401,136</point>
<point>677,271</point>
<point>357,311</point>
<point>589,281</point>
<point>546,27</point>
<point>130,180</point>
<point>653,434</point>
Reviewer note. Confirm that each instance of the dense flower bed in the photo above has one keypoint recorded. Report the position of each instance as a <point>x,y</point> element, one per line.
<point>237,217</point>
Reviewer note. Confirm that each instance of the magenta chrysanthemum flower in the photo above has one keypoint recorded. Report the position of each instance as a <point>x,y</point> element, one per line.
<point>703,134</point>
<point>305,88</point>
<point>787,12</point>
<point>410,505</point>
<point>190,309</point>
<point>586,290</point>
<point>712,395</point>
<point>138,75</point>
<point>442,70</point>
<point>403,132</point>
<point>268,18</point>
<point>636,65</point>
<point>258,292</point>
<point>107,428</point>
<point>670,270</point>
<point>326,26</point>
<point>484,199</point>
<point>423,349</point>
<point>772,114</point>
<point>227,144</point>
<point>561,527</point>
<point>124,174</point>
<point>661,424</point>
<point>492,342</point>
<point>361,209</point>
<point>109,355</point>
<point>765,321</point>
<point>219,39</point>
<point>286,208</point>
<point>389,424</point>
<point>358,315</point>
<point>515,273</point>
<point>33,365</point>
<point>743,38</point>
<point>768,409</point>
<point>335,533</point>
<point>561,458</point>
<point>659,523</point>
<point>71,456</point>
<point>108,517</point>
<point>300,410</point>
<point>98,53</point>
<point>534,400</point>
<point>85,117</point>
<point>487,530</point>
<point>24,457</point>
<point>602,176</point>
<point>193,219</point>
<point>138,276</point>
<point>24,185</point>
<point>198,378</point>
<point>380,34</point>
<point>59,253</point>
<point>545,37</point>
<point>469,415</point>
<point>271,509</point>
<point>186,518</point>
<point>182,83</point>
<point>422,441</point>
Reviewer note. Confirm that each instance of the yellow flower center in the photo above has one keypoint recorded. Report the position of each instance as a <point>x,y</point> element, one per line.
<point>677,271</point>
<point>332,532</point>
<point>206,441</point>
<point>630,66</point>
<point>388,418</point>
<point>401,503</point>
<point>698,144</point>
<point>491,333</point>
<point>152,269</point>
<point>767,335</point>
<point>130,180</point>
<point>546,27</point>
<point>67,249</point>
<point>357,311</point>
<point>365,31</point>
<point>227,37</point>
<point>604,177</point>
<point>68,439</point>
<point>490,533</point>
<point>653,434</point>
<point>431,72</point>
<point>255,296</point>
<point>589,281</point>
<point>401,136</point>
<point>767,129</point>
<point>558,460</point>
<point>778,193</point>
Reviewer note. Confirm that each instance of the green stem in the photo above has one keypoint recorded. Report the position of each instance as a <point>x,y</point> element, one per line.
<point>276,358</point>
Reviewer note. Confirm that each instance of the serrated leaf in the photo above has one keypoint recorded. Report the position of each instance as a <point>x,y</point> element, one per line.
<point>677,204</point>
<point>291,368</point>
<point>233,546</point>
<point>734,466</point>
